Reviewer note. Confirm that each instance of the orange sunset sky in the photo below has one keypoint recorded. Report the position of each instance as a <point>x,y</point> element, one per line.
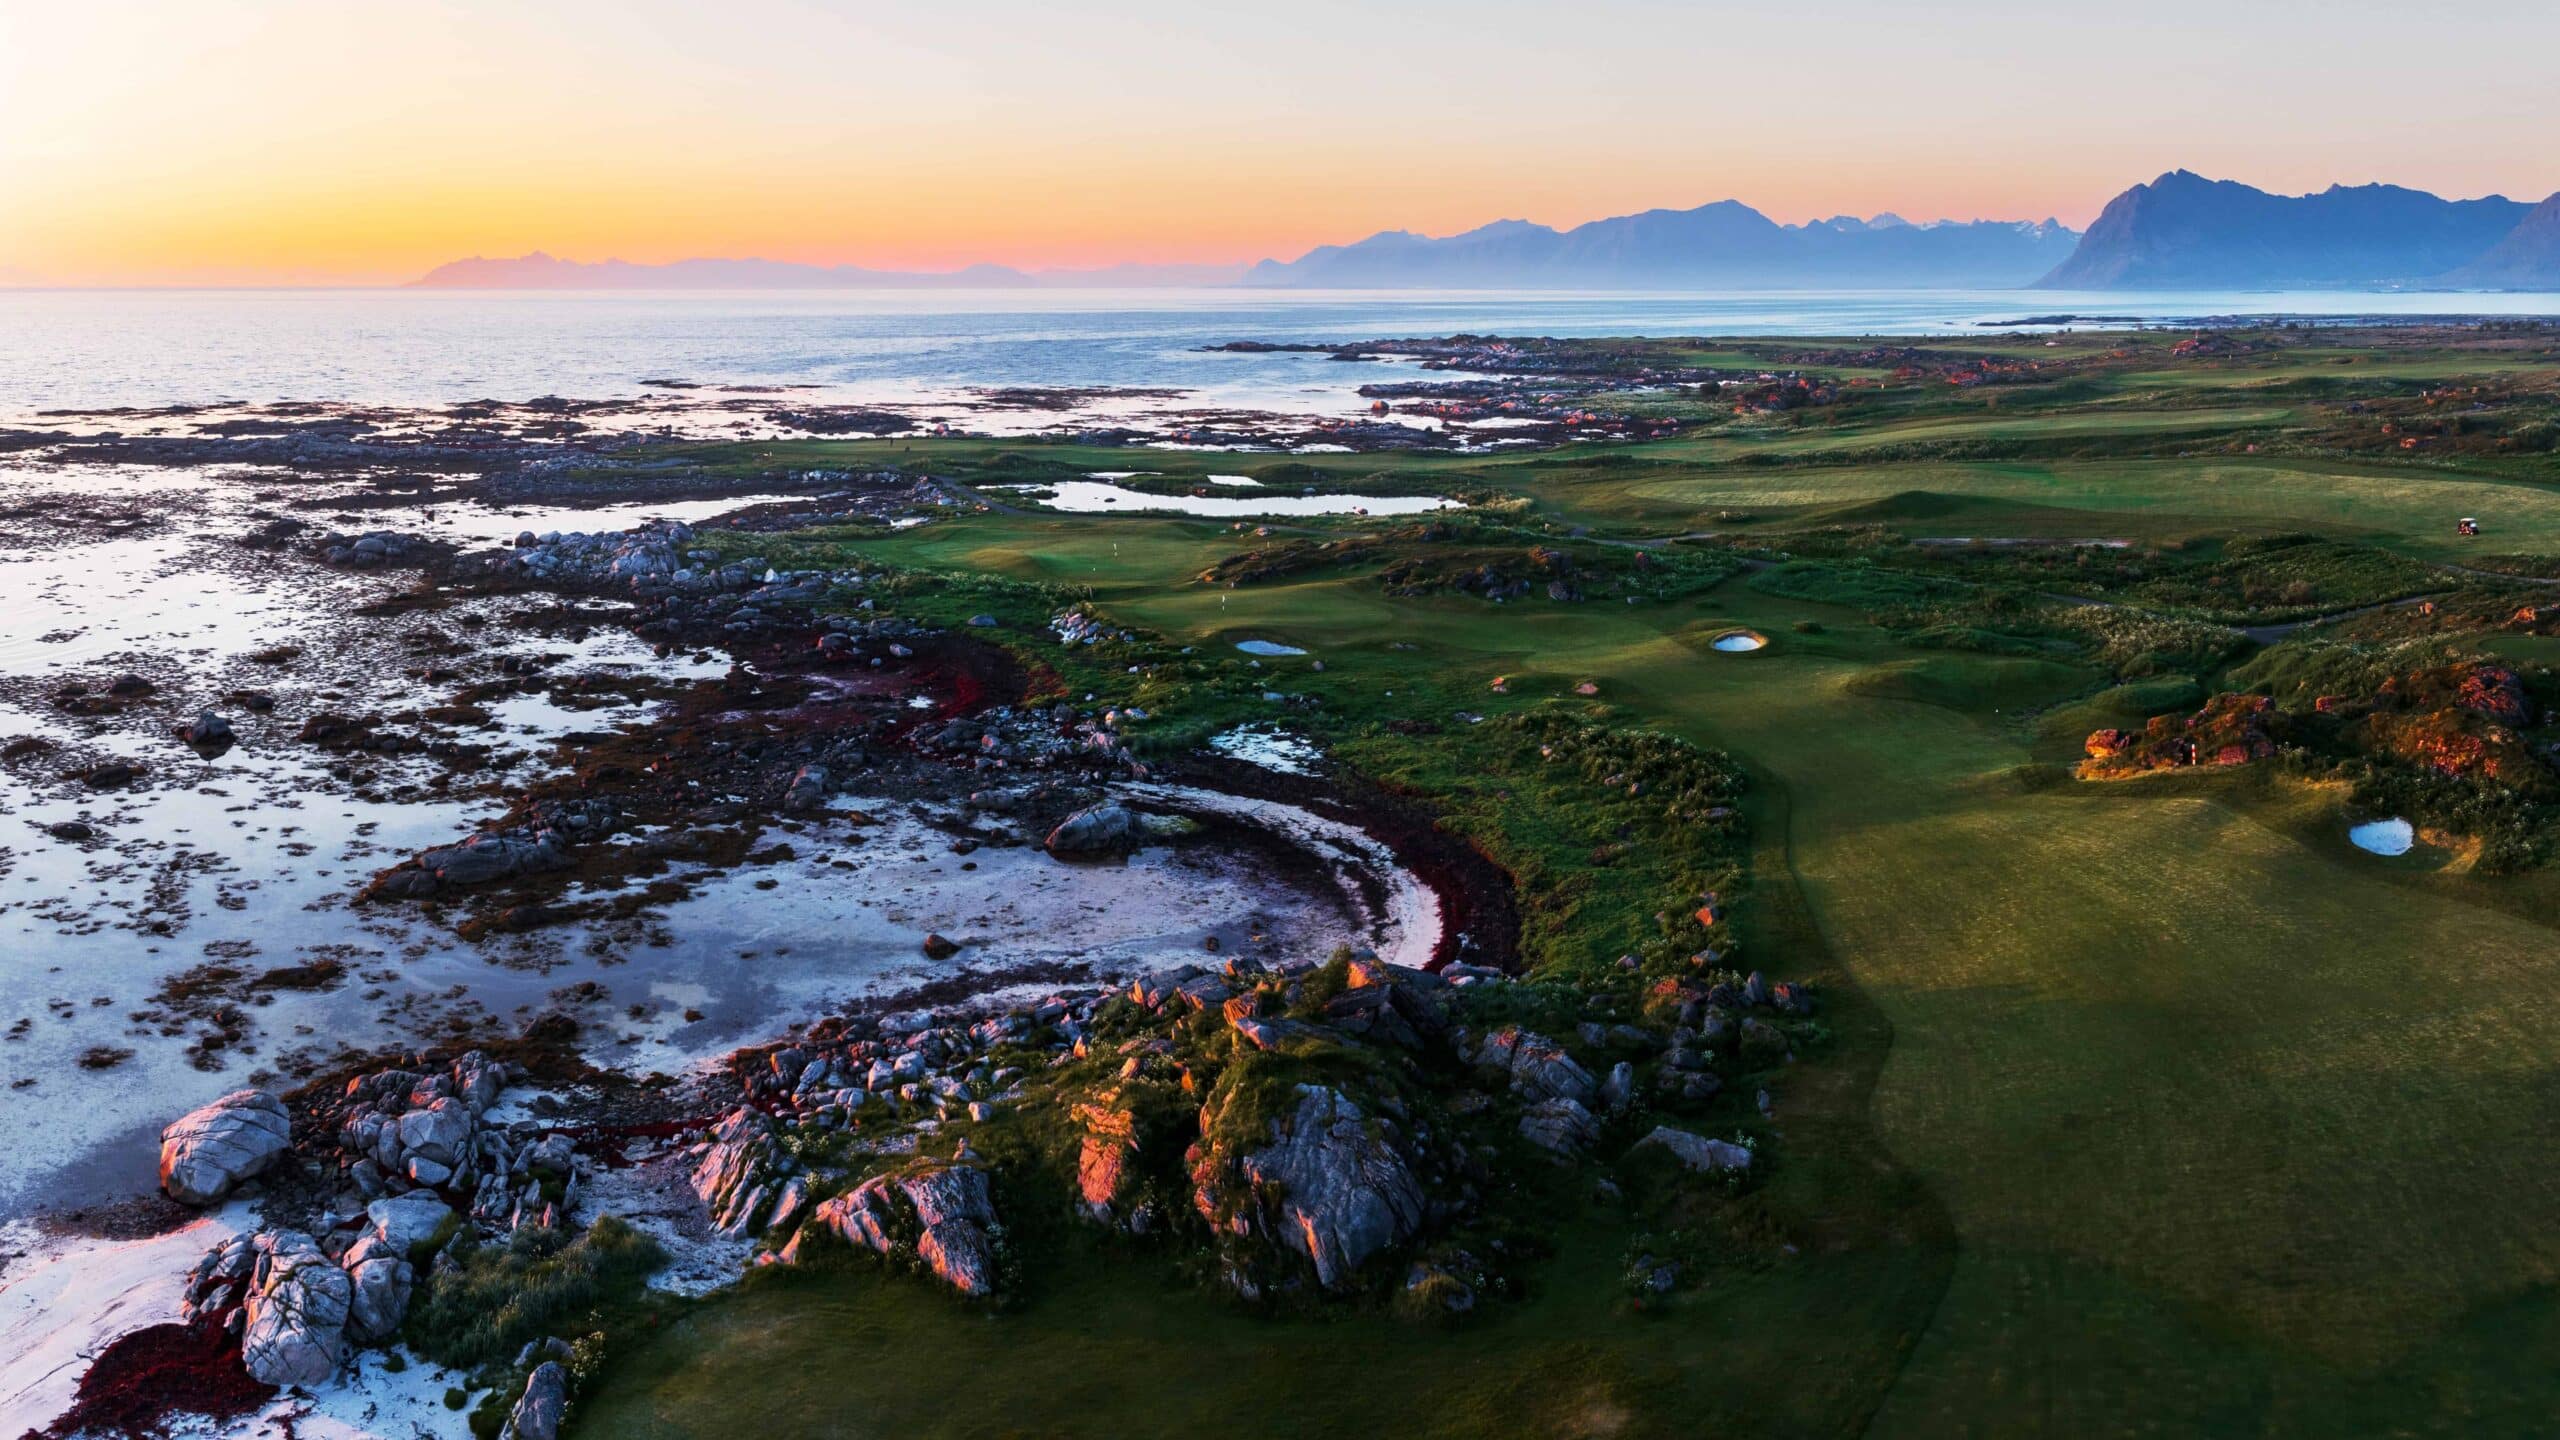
<point>290,142</point>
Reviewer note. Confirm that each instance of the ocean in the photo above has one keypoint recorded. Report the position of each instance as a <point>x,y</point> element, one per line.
<point>104,349</point>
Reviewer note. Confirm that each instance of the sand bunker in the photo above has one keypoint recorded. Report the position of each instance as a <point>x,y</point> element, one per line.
<point>2383,837</point>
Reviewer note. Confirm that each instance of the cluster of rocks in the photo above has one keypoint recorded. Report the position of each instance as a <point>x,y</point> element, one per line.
<point>1558,1094</point>
<point>1711,1020</point>
<point>370,549</point>
<point>110,697</point>
<point>417,1149</point>
<point>941,1212</point>
<point>918,1074</point>
<point>684,586</point>
<point>404,1130</point>
<point>2230,729</point>
<point>1037,738</point>
<point>658,556</point>
<point>1080,627</point>
<point>300,1304</point>
<point>2463,720</point>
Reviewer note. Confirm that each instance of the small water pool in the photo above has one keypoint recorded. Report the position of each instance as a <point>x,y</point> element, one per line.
<point>1739,642</point>
<point>1267,647</point>
<point>2383,837</point>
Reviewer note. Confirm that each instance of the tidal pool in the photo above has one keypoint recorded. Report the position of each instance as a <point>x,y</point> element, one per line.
<point>2383,837</point>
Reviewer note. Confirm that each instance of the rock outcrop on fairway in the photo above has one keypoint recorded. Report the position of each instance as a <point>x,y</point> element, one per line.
<point>941,1215</point>
<point>1327,1181</point>
<point>206,1152</point>
<point>2228,730</point>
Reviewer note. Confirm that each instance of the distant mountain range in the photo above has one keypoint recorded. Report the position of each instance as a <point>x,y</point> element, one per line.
<point>2184,232</point>
<point>538,271</point>
<point>2180,232</point>
<point>1726,245</point>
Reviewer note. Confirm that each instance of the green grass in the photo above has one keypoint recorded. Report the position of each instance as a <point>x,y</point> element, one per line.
<point>2156,1109</point>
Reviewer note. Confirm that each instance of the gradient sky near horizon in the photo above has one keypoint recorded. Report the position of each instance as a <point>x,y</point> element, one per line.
<point>338,141</point>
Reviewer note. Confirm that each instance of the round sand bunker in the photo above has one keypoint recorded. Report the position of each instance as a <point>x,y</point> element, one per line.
<point>2383,837</point>
<point>1739,642</point>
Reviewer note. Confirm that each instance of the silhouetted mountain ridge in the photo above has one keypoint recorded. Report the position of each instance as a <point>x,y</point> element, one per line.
<point>2185,232</point>
<point>2527,259</point>
<point>1726,244</point>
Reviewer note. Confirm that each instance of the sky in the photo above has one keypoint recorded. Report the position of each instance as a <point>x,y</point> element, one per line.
<point>172,142</point>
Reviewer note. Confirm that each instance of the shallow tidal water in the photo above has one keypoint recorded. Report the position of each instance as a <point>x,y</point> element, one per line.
<point>250,858</point>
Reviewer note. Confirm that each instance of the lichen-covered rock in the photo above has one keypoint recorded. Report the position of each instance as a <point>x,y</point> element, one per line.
<point>1538,1068</point>
<point>1697,1152</point>
<point>1103,1163</point>
<point>487,857</point>
<point>743,1172</point>
<point>380,1279</point>
<point>544,1404</point>
<point>1561,1126</point>
<point>296,1311</point>
<point>1097,830</point>
<point>206,1152</point>
<point>941,1214</point>
<point>403,1222</point>
<point>1327,1183</point>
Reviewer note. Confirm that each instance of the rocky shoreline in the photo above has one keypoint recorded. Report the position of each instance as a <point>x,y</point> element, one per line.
<point>630,726</point>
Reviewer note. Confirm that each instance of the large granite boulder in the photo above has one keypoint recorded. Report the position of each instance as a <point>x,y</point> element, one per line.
<point>543,1405</point>
<point>1097,830</point>
<point>380,1279</point>
<point>1327,1184</point>
<point>404,1222</point>
<point>296,1311</point>
<point>206,1152</point>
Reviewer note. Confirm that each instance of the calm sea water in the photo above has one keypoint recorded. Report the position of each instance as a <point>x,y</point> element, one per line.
<point>80,349</point>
